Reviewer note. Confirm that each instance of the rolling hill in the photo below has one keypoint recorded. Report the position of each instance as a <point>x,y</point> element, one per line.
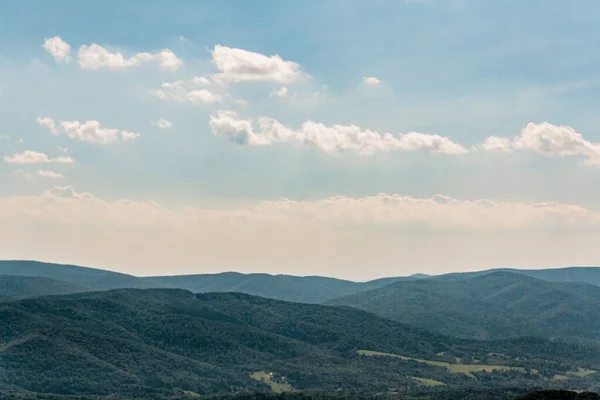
<point>589,275</point>
<point>93,279</point>
<point>494,305</point>
<point>309,289</point>
<point>15,286</point>
<point>163,342</point>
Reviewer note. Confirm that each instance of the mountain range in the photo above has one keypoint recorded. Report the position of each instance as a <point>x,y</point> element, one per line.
<point>310,289</point>
<point>68,330</point>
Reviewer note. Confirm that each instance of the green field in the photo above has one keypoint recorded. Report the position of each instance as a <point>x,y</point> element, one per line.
<point>582,372</point>
<point>428,382</point>
<point>277,387</point>
<point>454,368</point>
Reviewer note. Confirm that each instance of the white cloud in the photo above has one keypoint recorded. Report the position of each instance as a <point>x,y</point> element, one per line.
<point>34,157</point>
<point>163,124</point>
<point>21,141</point>
<point>281,92</point>
<point>238,65</point>
<point>192,91</point>
<point>547,140</point>
<point>329,139</point>
<point>49,174</point>
<point>95,57</point>
<point>371,81</point>
<point>58,49</point>
<point>4,137</point>
<point>496,144</point>
<point>88,131</point>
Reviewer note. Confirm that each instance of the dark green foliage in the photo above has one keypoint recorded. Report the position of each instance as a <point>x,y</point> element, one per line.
<point>489,306</point>
<point>158,343</point>
<point>26,286</point>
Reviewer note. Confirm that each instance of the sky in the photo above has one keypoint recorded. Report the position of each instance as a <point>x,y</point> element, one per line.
<point>350,139</point>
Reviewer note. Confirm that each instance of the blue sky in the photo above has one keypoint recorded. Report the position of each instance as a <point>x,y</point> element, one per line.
<point>459,69</point>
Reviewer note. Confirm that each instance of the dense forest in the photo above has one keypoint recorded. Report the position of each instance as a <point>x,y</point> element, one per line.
<point>497,305</point>
<point>168,342</point>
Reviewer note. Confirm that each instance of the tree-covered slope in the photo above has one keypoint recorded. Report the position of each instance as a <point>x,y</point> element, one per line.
<point>589,275</point>
<point>495,305</point>
<point>15,286</point>
<point>146,342</point>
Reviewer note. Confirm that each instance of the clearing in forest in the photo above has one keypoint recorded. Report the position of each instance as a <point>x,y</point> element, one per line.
<point>278,384</point>
<point>428,382</point>
<point>467,369</point>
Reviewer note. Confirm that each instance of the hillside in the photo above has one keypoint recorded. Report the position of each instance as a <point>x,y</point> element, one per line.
<point>310,289</point>
<point>26,286</point>
<point>149,343</point>
<point>589,275</point>
<point>489,306</point>
<point>93,279</point>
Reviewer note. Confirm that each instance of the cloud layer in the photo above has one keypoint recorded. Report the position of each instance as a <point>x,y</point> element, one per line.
<point>438,213</point>
<point>391,230</point>
<point>88,131</point>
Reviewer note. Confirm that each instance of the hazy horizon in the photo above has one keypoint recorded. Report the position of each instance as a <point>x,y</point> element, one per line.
<point>390,138</point>
<point>201,271</point>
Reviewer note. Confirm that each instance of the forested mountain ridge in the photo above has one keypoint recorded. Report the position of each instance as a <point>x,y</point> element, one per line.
<point>308,289</point>
<point>143,342</point>
<point>495,305</point>
<point>90,278</point>
<point>589,275</point>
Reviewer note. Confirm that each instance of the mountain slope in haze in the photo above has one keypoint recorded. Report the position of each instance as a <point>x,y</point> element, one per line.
<point>15,286</point>
<point>489,306</point>
<point>309,289</point>
<point>589,275</point>
<point>93,279</point>
<point>151,343</point>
